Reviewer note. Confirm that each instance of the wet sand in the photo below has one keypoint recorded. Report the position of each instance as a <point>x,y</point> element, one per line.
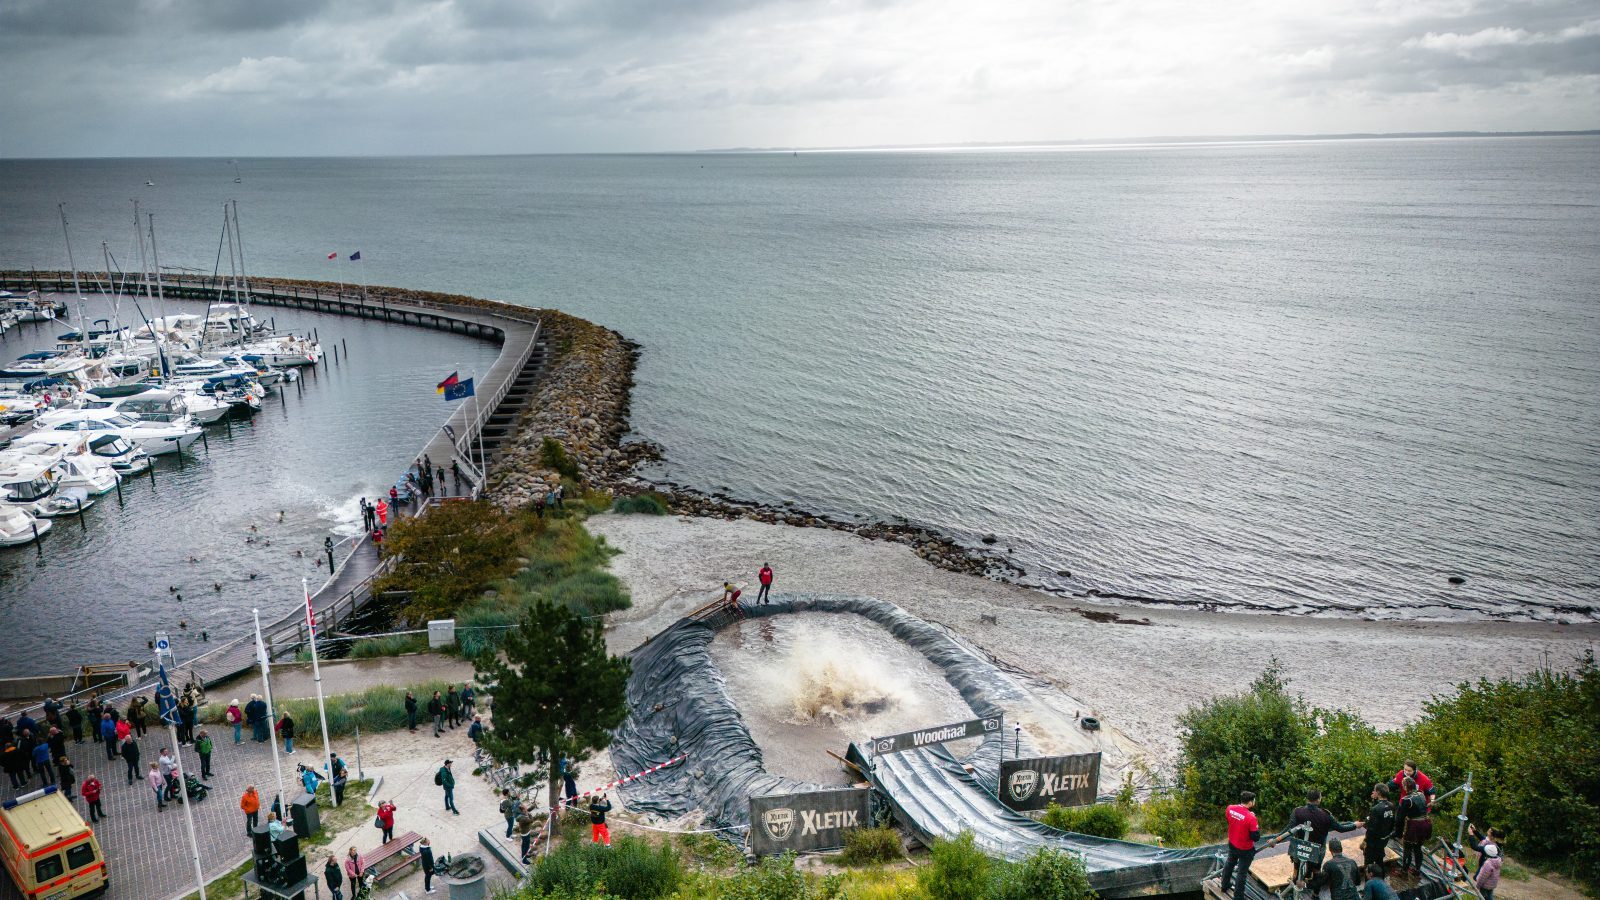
<point>1136,677</point>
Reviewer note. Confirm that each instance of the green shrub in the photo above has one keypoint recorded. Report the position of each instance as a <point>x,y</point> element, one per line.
<point>865,846</point>
<point>554,456</point>
<point>589,593</point>
<point>710,850</point>
<point>957,870</point>
<point>773,878</point>
<point>1254,741</point>
<point>1346,758</point>
<point>389,645</point>
<point>631,868</point>
<point>1168,819</point>
<point>481,626</point>
<point>643,504</point>
<point>1101,820</point>
<point>1046,875</point>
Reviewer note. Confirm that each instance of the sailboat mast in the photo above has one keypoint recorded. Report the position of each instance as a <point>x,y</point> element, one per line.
<point>238,235</point>
<point>161,294</point>
<point>144,266</point>
<point>77,292</point>
<point>233,268</point>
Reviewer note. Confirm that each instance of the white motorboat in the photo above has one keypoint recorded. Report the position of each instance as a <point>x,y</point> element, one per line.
<point>187,365</point>
<point>17,407</point>
<point>19,527</point>
<point>31,307</point>
<point>113,448</point>
<point>75,466</point>
<point>154,438</point>
<point>151,403</point>
<point>31,482</point>
<point>281,351</point>
<point>264,374</point>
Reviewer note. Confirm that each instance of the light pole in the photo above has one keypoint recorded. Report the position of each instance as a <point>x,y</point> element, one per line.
<point>167,707</point>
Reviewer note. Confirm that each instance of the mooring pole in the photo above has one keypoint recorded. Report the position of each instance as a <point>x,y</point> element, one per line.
<point>119,489</point>
<point>79,501</point>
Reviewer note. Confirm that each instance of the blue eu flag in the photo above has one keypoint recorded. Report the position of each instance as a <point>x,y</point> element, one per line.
<point>459,390</point>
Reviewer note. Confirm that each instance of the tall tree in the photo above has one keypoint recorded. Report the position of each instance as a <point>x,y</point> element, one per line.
<point>557,693</point>
<point>448,555</point>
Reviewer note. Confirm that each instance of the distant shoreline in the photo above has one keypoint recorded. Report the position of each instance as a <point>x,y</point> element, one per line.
<point>1170,140</point>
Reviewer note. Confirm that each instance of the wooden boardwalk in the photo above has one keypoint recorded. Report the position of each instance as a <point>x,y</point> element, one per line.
<point>503,391</point>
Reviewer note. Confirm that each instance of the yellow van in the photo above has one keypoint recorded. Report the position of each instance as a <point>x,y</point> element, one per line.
<point>51,853</point>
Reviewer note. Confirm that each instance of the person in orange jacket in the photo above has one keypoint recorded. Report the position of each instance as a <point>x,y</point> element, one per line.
<point>251,804</point>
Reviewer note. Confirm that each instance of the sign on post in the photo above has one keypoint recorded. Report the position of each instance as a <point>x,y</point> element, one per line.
<point>804,822</point>
<point>1038,782</point>
<point>928,737</point>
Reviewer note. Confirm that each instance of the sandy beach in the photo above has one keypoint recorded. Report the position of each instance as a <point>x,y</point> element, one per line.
<point>1136,669</point>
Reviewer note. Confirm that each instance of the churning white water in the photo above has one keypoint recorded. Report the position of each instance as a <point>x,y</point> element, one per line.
<point>809,683</point>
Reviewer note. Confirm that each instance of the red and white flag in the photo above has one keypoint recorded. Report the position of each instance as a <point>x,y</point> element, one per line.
<point>333,255</point>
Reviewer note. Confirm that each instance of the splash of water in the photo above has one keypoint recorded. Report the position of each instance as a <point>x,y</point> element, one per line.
<point>839,681</point>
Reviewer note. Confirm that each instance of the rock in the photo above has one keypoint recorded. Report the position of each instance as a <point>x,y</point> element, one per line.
<point>990,539</point>
<point>1064,573</point>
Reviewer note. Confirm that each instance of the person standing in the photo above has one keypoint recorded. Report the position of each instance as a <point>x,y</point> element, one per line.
<point>411,711</point>
<point>188,717</point>
<point>509,807</point>
<point>58,743</point>
<point>436,712</point>
<point>1339,874</point>
<point>525,831</point>
<point>157,784</point>
<point>469,700</point>
<point>286,731</point>
<point>598,807</point>
<point>425,851</point>
<point>255,713</point>
<point>41,764</point>
<point>1415,826</point>
<point>1421,780</point>
<point>15,764</point>
<point>386,819</point>
<point>75,722</point>
<point>91,795</point>
<point>1379,824</point>
<point>203,747</point>
<point>340,776</point>
<point>108,736</point>
<point>475,732</point>
<point>124,727</point>
<point>66,776</point>
<point>1488,872</point>
<point>452,706</point>
<point>334,877</point>
<point>130,755</point>
<point>169,768</point>
<point>1316,821</point>
<point>250,803</point>
<point>446,779</point>
<point>1243,833</point>
<point>765,577</point>
<point>235,717</point>
<point>309,780</point>
<point>353,870</point>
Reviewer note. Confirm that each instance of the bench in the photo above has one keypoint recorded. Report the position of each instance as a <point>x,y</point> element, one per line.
<point>392,857</point>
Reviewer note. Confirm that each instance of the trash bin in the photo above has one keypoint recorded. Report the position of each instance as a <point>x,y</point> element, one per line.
<point>467,876</point>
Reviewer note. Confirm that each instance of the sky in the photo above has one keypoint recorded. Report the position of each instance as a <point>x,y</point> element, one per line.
<point>374,77</point>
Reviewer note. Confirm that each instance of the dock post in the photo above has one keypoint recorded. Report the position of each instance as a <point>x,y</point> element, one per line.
<point>119,490</point>
<point>37,544</point>
<point>152,471</point>
<point>81,523</point>
<point>205,440</point>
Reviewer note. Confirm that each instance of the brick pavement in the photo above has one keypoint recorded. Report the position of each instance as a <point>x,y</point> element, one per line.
<point>148,851</point>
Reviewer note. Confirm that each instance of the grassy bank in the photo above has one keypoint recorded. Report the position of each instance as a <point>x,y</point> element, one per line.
<point>380,708</point>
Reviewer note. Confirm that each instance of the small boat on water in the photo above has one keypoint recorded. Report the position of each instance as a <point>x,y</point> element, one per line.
<point>32,307</point>
<point>19,527</point>
<point>29,482</point>
<point>116,450</point>
<point>73,465</point>
<point>152,403</point>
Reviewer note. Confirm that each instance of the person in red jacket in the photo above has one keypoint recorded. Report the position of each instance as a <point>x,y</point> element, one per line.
<point>90,789</point>
<point>1243,832</point>
<point>386,819</point>
<point>1410,770</point>
<point>765,577</point>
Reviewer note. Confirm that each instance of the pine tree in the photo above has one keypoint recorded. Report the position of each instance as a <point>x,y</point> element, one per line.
<point>557,693</point>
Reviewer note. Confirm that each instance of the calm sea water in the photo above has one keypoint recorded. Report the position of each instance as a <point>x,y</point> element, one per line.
<point>1304,377</point>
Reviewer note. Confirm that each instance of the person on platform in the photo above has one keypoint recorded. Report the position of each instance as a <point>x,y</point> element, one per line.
<point>1244,831</point>
<point>1313,820</point>
<point>1410,770</point>
<point>1376,887</point>
<point>765,577</point>
<point>1415,827</point>
<point>1339,874</point>
<point>1379,825</point>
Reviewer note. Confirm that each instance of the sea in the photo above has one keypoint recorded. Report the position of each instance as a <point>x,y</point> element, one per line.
<point>1303,377</point>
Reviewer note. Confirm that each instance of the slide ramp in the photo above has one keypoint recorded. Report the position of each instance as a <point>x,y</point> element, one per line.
<point>934,795</point>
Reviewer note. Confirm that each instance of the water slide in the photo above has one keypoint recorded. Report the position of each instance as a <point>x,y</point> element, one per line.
<point>679,704</point>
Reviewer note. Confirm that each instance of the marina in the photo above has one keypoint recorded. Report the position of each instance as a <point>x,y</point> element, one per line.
<point>185,546</point>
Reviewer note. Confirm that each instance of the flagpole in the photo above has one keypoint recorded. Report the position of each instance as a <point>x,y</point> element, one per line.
<point>363,276</point>
<point>272,716</point>
<point>168,709</point>
<point>338,274</point>
<point>483,463</point>
<point>316,676</point>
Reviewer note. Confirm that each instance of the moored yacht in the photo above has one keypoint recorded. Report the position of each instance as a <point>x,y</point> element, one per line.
<point>30,482</point>
<point>19,527</point>
<point>154,438</point>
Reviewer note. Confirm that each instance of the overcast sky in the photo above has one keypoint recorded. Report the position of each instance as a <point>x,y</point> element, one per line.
<point>313,77</point>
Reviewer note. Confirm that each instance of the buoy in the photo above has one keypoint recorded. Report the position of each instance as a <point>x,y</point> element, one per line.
<point>1457,579</point>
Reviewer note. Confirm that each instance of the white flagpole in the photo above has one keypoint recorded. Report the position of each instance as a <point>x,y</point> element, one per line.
<point>362,274</point>
<point>177,755</point>
<point>316,676</point>
<point>483,463</point>
<point>272,715</point>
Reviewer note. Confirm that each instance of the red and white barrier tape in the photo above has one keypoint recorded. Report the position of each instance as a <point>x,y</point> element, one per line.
<point>573,801</point>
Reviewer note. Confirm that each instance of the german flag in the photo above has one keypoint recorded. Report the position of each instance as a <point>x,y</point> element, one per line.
<point>448,382</point>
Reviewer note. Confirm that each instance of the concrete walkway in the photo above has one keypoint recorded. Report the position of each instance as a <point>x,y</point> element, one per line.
<point>291,681</point>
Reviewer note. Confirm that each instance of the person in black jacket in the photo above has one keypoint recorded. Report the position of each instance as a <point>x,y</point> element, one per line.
<point>436,712</point>
<point>452,706</point>
<point>1319,820</point>
<point>411,711</point>
<point>130,755</point>
<point>598,832</point>
<point>334,876</point>
<point>1411,819</point>
<point>1339,874</point>
<point>425,850</point>
<point>1379,824</point>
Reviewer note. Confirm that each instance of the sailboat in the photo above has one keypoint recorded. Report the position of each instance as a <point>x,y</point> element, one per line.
<point>149,183</point>
<point>237,178</point>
